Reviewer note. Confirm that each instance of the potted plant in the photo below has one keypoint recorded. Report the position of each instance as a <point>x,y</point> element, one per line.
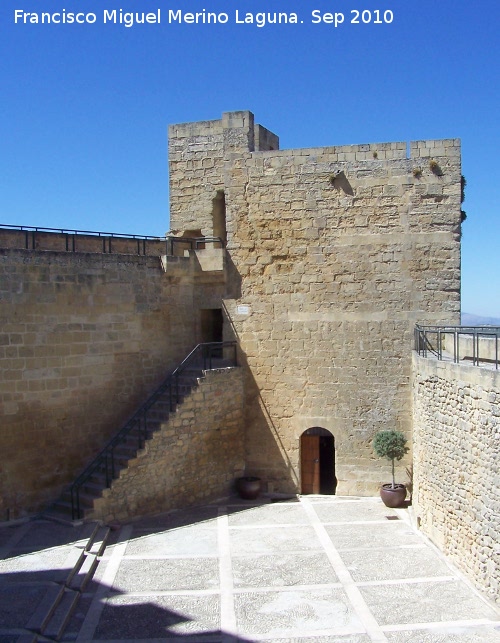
<point>391,445</point>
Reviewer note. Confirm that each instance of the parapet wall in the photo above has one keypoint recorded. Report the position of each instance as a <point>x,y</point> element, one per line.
<point>456,433</point>
<point>73,241</point>
<point>197,153</point>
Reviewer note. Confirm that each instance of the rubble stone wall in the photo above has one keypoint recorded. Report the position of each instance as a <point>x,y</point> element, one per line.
<point>195,457</point>
<point>456,433</point>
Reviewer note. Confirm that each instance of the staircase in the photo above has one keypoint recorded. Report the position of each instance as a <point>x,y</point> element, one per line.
<point>50,618</point>
<point>77,501</point>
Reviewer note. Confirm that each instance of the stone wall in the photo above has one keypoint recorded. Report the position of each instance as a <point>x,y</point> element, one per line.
<point>334,253</point>
<point>456,419</point>
<point>194,458</point>
<point>83,339</point>
<point>196,154</point>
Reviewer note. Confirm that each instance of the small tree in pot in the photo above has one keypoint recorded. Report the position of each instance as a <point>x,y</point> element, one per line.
<point>391,445</point>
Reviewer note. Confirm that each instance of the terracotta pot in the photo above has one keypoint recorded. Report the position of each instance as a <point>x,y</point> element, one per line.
<point>248,487</point>
<point>393,497</point>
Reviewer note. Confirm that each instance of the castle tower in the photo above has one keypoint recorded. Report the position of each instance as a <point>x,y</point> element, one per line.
<point>333,255</point>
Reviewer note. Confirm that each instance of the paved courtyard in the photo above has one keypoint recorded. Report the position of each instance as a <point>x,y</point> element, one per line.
<point>316,569</point>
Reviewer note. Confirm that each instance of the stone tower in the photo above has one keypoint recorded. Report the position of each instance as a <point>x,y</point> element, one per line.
<point>333,254</point>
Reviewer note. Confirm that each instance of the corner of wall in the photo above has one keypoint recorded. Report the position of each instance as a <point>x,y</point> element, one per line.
<point>265,140</point>
<point>449,147</point>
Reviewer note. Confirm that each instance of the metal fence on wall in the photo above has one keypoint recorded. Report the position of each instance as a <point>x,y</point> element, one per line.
<point>66,240</point>
<point>476,344</point>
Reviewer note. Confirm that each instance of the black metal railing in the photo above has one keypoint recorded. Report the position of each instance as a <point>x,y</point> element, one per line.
<point>32,236</point>
<point>203,357</point>
<point>109,243</point>
<point>484,341</point>
<point>192,243</point>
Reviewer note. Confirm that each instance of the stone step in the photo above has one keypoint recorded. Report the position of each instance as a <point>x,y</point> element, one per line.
<point>93,489</point>
<point>46,608</point>
<point>76,558</point>
<point>97,544</point>
<point>156,418</point>
<point>27,638</point>
<point>56,608</point>
<point>84,574</point>
<point>60,512</point>
<point>61,615</point>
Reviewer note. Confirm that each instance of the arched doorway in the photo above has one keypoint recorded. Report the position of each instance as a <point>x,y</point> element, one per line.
<point>317,461</point>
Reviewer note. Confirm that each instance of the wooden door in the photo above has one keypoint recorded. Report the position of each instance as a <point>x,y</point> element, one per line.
<point>309,463</point>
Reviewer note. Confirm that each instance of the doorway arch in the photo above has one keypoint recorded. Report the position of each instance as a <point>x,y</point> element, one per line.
<point>317,461</point>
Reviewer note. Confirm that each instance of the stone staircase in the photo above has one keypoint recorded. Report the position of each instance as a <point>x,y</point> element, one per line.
<point>53,613</point>
<point>158,414</point>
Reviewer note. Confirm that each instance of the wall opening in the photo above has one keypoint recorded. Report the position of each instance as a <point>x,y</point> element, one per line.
<point>219,216</point>
<point>317,461</point>
<point>211,323</point>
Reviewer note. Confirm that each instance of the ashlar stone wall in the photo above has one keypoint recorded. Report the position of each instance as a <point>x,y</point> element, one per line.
<point>84,339</point>
<point>196,153</point>
<point>194,457</point>
<point>456,419</point>
<point>334,254</point>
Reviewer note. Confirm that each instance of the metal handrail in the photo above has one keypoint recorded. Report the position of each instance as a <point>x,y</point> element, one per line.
<point>193,243</point>
<point>125,235</point>
<point>190,243</point>
<point>105,460</point>
<point>431,338</point>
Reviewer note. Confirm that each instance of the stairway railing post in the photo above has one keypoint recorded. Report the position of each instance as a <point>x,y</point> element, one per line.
<point>106,468</point>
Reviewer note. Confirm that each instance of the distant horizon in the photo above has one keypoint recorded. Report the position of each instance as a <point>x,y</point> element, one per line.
<point>471,319</point>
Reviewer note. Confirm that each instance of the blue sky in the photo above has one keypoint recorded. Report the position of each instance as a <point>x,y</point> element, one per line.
<point>85,108</point>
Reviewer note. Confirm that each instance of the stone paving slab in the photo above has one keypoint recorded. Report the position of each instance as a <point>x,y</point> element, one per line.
<point>384,534</point>
<point>271,514</point>
<point>186,517</point>
<point>145,575</point>
<point>449,634</point>
<point>318,570</point>
<point>330,638</point>
<point>143,617</point>
<point>398,563</point>
<point>16,603</point>
<point>426,602</point>
<point>39,566</point>
<point>275,539</point>
<point>282,613</point>
<point>191,540</point>
<point>279,570</point>
<point>346,510</point>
